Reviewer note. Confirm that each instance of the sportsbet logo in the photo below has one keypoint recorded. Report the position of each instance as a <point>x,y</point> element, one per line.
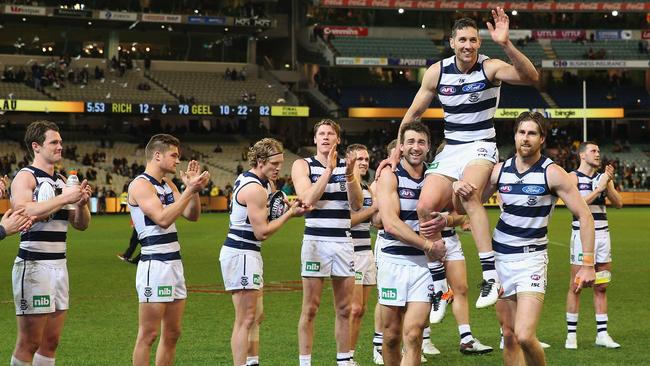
<point>389,293</point>
<point>312,266</point>
<point>41,301</point>
<point>164,291</point>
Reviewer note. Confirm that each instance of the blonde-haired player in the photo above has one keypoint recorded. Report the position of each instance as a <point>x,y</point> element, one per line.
<point>240,256</point>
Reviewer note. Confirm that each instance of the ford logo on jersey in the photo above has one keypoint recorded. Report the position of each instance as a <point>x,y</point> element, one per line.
<point>338,178</point>
<point>447,90</point>
<point>505,189</point>
<point>406,193</point>
<point>533,189</point>
<point>473,87</point>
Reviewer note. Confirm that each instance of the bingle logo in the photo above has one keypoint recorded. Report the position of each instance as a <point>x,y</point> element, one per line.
<point>406,193</point>
<point>505,189</point>
<point>447,90</point>
<point>533,189</point>
<point>474,87</point>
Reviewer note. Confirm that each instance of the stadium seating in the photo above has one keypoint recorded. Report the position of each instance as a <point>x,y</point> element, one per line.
<point>113,88</point>
<point>210,87</point>
<point>533,50</point>
<point>386,47</point>
<point>615,49</point>
<point>20,91</point>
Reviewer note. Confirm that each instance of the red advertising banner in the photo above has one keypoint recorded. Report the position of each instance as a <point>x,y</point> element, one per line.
<point>342,31</point>
<point>559,34</point>
<point>486,5</point>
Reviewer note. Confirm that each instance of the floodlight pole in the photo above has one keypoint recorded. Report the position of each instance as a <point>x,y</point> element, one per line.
<point>584,110</point>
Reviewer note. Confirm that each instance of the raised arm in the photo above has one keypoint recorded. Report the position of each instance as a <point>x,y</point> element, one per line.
<point>424,95</point>
<point>353,183</point>
<point>362,215</point>
<point>22,189</point>
<point>193,209</point>
<point>254,196</point>
<point>522,71</point>
<point>560,183</point>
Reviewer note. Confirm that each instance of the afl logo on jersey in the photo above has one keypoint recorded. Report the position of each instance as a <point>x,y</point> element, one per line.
<point>406,193</point>
<point>447,90</point>
<point>584,187</point>
<point>533,189</point>
<point>474,87</point>
<point>314,178</point>
<point>367,201</point>
<point>505,189</point>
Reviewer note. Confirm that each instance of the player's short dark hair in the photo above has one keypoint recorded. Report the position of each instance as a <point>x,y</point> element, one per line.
<point>391,145</point>
<point>583,145</point>
<point>536,117</point>
<point>36,133</point>
<point>330,123</point>
<point>160,143</point>
<point>463,23</point>
<point>418,127</point>
<point>355,147</point>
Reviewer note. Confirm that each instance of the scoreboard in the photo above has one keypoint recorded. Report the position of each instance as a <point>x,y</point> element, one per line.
<point>224,110</point>
<point>221,110</point>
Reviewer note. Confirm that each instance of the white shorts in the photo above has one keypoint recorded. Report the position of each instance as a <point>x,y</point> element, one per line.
<point>41,286</point>
<point>365,268</point>
<point>327,258</point>
<point>602,250</point>
<point>453,159</point>
<point>399,284</point>
<point>454,249</point>
<point>158,281</point>
<point>522,273</point>
<point>241,269</point>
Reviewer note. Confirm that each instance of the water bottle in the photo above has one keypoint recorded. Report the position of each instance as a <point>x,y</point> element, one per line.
<point>72,181</point>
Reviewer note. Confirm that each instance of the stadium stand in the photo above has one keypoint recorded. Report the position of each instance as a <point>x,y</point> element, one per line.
<point>203,86</point>
<point>386,47</point>
<point>610,50</point>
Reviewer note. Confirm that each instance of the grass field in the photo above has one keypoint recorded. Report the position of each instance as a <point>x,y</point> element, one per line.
<point>102,322</point>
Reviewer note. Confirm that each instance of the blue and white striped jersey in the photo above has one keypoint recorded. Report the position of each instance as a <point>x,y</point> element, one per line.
<point>527,203</point>
<point>408,190</point>
<point>241,234</point>
<point>361,232</point>
<point>48,236</point>
<point>330,218</point>
<point>153,238</point>
<point>469,101</point>
<point>586,185</point>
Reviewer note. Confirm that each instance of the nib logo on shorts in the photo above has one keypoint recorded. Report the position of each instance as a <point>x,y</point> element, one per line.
<point>164,291</point>
<point>358,276</point>
<point>257,279</point>
<point>41,301</point>
<point>312,266</point>
<point>389,293</point>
